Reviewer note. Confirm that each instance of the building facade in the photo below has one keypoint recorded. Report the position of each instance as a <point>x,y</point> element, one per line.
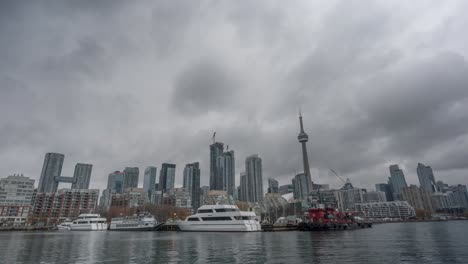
<point>244,187</point>
<point>82,176</point>
<point>417,198</point>
<point>273,186</point>
<point>216,177</point>
<point>192,183</point>
<point>52,208</point>
<point>396,181</point>
<point>16,193</point>
<point>131,177</point>
<point>381,210</point>
<point>226,163</point>
<point>376,196</point>
<point>385,187</point>
<point>115,181</point>
<point>51,168</point>
<point>287,188</point>
<point>167,177</point>
<point>253,169</point>
<point>426,178</point>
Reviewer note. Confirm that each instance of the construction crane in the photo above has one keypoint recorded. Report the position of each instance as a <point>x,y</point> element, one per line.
<point>338,176</point>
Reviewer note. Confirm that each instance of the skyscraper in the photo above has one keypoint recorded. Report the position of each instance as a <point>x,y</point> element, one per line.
<point>396,181</point>
<point>82,176</point>
<point>243,187</point>
<point>426,178</point>
<point>273,186</point>
<point>149,180</point>
<point>192,182</point>
<point>216,177</point>
<point>52,168</point>
<point>300,187</point>
<point>167,177</point>
<point>253,168</point>
<point>131,175</point>
<point>385,187</point>
<point>227,166</point>
<point>115,181</point>
<point>303,138</point>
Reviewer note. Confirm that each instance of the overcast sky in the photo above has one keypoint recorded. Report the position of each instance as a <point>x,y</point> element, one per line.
<point>139,83</point>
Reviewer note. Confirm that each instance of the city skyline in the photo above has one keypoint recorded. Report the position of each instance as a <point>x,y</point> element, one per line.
<point>383,86</point>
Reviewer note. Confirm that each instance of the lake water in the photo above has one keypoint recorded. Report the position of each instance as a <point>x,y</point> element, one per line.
<point>435,242</point>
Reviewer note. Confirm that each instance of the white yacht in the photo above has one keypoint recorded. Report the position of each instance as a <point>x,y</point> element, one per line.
<point>140,222</point>
<point>65,225</point>
<point>221,218</point>
<point>89,222</point>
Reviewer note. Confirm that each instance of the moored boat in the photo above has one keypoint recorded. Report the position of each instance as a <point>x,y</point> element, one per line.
<point>89,222</point>
<point>139,222</point>
<point>221,218</point>
<point>329,218</point>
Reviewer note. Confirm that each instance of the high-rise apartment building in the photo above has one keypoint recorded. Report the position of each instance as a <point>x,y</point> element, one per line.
<point>51,168</point>
<point>227,166</point>
<point>253,169</point>
<point>396,181</point>
<point>301,190</point>
<point>216,175</point>
<point>417,198</point>
<point>131,175</point>
<point>244,195</point>
<point>82,176</point>
<point>426,178</point>
<point>273,186</point>
<point>115,181</point>
<point>149,180</point>
<point>385,187</point>
<point>167,177</point>
<point>192,183</point>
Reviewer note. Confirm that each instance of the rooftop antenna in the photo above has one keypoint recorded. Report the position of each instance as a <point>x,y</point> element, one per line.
<point>214,136</point>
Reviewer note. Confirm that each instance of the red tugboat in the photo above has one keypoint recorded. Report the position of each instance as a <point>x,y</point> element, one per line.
<point>328,218</point>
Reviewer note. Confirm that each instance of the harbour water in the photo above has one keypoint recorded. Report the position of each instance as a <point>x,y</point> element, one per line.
<point>430,242</point>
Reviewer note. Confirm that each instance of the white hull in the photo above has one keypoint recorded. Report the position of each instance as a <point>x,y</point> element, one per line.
<point>221,226</point>
<point>89,227</point>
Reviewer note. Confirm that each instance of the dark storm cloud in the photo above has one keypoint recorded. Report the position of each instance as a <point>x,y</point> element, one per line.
<point>119,83</point>
<point>204,86</point>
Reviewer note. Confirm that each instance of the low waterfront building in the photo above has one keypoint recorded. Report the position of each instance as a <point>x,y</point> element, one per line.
<point>52,208</point>
<point>381,210</point>
<point>131,197</point>
<point>16,193</point>
<point>178,197</point>
<point>376,196</point>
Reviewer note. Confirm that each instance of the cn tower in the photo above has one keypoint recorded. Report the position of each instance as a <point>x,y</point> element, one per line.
<point>303,138</point>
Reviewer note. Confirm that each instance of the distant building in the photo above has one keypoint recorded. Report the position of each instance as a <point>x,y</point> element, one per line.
<point>426,178</point>
<point>459,196</point>
<point>218,197</point>
<point>16,193</point>
<point>192,183</point>
<point>115,181</point>
<point>243,187</point>
<point>301,189</point>
<point>397,181</point>
<point>326,197</point>
<point>131,176</point>
<point>386,188</point>
<point>52,208</point>
<point>226,163</point>
<point>82,176</point>
<point>167,177</point>
<point>178,197</point>
<point>287,188</point>
<point>396,209</point>
<point>273,186</point>
<point>131,197</point>
<point>149,180</point>
<point>216,176</point>
<point>376,196</point>
<point>51,168</point>
<point>440,201</point>
<point>417,198</point>
<point>253,168</point>
<point>348,196</point>
<point>203,194</point>
<point>303,138</point>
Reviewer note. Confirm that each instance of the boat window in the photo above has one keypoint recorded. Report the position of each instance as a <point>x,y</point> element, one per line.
<point>193,219</point>
<point>222,210</point>
<point>217,218</point>
<point>202,211</point>
<point>83,222</point>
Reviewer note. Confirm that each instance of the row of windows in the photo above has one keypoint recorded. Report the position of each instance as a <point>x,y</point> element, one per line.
<point>221,210</point>
<point>218,218</point>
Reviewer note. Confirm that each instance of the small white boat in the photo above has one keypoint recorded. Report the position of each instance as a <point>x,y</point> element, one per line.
<point>140,222</point>
<point>221,218</point>
<point>65,225</point>
<point>89,222</point>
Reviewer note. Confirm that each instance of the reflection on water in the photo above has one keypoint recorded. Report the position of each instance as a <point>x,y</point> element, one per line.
<point>441,242</point>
